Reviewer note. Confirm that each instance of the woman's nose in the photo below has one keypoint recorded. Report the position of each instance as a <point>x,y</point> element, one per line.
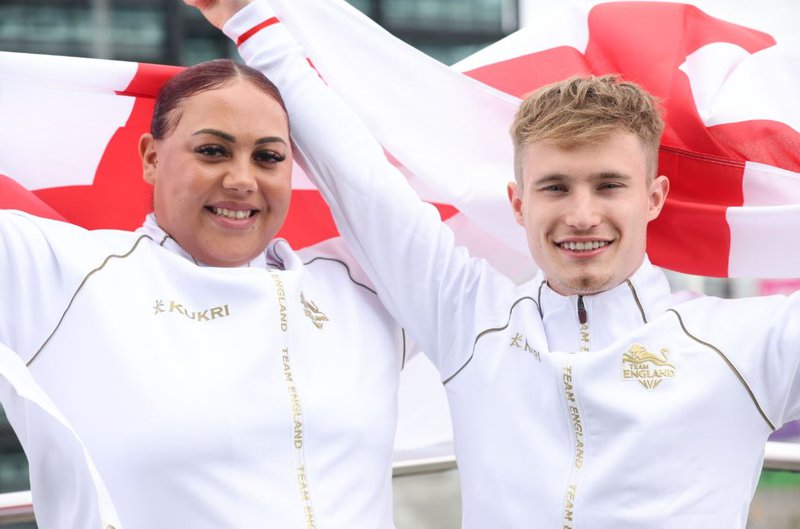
<point>241,178</point>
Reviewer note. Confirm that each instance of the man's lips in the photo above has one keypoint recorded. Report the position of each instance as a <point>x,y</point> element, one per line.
<point>584,245</point>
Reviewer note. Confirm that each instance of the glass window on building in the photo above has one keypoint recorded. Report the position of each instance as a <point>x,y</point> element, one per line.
<point>157,31</point>
<point>169,32</point>
<point>448,30</point>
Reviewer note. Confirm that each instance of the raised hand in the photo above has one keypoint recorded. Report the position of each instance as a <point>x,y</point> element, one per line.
<point>217,11</point>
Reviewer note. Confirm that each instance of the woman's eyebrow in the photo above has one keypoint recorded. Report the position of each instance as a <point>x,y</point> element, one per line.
<point>214,132</point>
<point>270,139</point>
<point>232,139</point>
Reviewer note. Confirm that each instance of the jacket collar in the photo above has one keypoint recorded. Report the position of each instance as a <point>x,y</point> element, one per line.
<point>277,255</point>
<point>610,315</point>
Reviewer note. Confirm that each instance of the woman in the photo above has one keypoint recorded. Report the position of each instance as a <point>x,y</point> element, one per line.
<point>216,377</point>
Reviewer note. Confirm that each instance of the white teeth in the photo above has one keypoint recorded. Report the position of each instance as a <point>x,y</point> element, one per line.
<point>232,214</point>
<point>583,246</point>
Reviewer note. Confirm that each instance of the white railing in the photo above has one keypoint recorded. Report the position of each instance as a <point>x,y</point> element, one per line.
<point>782,456</point>
<point>17,507</point>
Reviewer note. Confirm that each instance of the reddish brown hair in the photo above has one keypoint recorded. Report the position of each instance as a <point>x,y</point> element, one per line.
<point>200,78</point>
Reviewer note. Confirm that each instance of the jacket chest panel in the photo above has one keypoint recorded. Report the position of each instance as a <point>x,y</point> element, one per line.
<point>507,400</point>
<point>182,374</point>
<point>660,380</point>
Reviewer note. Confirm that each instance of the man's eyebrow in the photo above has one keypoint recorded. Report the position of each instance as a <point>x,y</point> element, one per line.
<point>558,178</point>
<point>610,175</point>
<point>214,132</point>
<point>270,139</point>
<point>552,178</point>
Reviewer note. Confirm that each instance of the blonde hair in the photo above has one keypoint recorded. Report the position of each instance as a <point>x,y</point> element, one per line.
<point>582,110</point>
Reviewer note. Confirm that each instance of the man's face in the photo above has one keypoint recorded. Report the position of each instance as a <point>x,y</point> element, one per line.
<point>585,211</point>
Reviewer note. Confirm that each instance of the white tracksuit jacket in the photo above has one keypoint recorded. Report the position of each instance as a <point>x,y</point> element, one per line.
<point>177,379</point>
<point>651,414</point>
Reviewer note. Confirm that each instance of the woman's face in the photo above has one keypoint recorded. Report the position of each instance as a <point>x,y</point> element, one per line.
<point>222,176</point>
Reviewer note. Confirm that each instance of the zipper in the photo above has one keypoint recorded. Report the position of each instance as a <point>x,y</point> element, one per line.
<point>576,422</point>
<point>583,318</point>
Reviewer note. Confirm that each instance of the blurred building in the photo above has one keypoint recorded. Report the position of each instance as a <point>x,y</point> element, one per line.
<point>169,32</point>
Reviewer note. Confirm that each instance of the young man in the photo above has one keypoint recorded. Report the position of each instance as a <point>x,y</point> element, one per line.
<point>591,397</point>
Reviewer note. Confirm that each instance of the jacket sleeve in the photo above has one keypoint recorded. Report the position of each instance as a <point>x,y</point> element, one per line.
<point>781,363</point>
<point>35,286</point>
<point>764,337</point>
<point>68,488</point>
<point>761,338</point>
<point>428,283</point>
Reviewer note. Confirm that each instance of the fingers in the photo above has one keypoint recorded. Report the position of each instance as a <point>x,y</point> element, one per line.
<point>218,12</point>
<point>199,4</point>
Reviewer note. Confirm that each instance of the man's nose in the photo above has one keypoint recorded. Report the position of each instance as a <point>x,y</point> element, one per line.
<point>582,211</point>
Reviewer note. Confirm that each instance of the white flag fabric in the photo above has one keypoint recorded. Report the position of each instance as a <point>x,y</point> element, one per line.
<point>731,147</point>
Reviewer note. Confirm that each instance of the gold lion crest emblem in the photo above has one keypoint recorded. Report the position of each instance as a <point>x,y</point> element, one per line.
<point>646,368</point>
<point>317,317</point>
